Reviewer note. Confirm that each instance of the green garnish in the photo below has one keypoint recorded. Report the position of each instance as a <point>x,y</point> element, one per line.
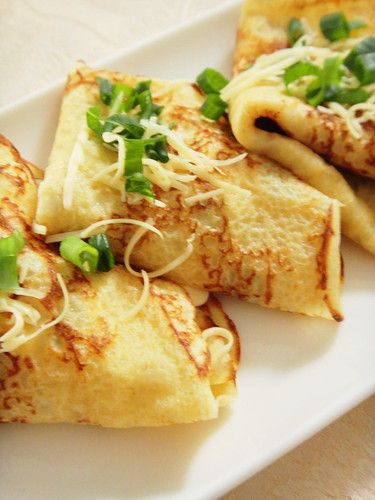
<point>93,120</point>
<point>366,46</point>
<point>106,260</point>
<point>364,68</point>
<point>213,107</point>
<point>106,90</point>
<point>10,247</point>
<point>79,253</point>
<point>335,26</point>
<point>131,128</point>
<point>348,95</point>
<point>211,81</point>
<point>295,30</point>
<point>299,70</point>
<point>137,183</point>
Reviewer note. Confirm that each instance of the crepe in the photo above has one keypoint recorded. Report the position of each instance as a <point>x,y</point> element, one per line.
<point>268,238</point>
<point>98,366</point>
<point>304,139</point>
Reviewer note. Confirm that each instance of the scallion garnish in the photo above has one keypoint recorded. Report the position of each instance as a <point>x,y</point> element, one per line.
<point>10,247</point>
<point>295,30</point>
<point>106,260</point>
<point>211,81</point>
<point>335,26</point>
<point>79,253</point>
<point>349,95</point>
<point>158,149</point>
<point>93,120</point>
<point>106,90</point>
<point>137,183</point>
<point>366,46</point>
<point>131,128</point>
<point>299,70</point>
<point>357,24</point>
<point>213,107</point>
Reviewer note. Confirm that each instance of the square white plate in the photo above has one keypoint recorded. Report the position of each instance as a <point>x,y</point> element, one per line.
<point>297,374</point>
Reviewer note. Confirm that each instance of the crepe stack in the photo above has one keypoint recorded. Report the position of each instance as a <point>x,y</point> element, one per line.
<point>244,225</point>
<point>97,363</point>
<point>312,142</point>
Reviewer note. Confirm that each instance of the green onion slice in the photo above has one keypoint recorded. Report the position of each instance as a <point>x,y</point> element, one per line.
<point>106,260</point>
<point>366,46</point>
<point>295,30</point>
<point>335,26</point>
<point>137,183</point>
<point>299,70</point>
<point>158,150</point>
<point>79,253</point>
<point>364,68</point>
<point>348,95</point>
<point>213,107</point>
<point>211,81</point>
<point>10,247</point>
<point>132,129</point>
<point>105,90</point>
<point>134,153</point>
<point>93,120</point>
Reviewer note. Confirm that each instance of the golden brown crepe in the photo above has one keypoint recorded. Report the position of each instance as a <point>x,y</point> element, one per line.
<point>268,238</point>
<point>97,366</point>
<point>288,130</point>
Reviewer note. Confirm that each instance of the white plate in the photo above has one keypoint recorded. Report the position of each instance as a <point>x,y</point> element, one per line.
<point>297,374</point>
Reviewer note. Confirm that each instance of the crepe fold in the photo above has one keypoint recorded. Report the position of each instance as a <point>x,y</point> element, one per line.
<point>268,238</point>
<point>98,366</point>
<point>308,141</point>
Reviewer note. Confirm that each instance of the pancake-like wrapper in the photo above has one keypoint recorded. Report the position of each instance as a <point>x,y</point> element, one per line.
<point>95,366</point>
<point>304,139</point>
<point>269,239</point>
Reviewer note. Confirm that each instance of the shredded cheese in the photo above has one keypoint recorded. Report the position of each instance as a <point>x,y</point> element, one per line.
<point>143,298</point>
<point>15,337</point>
<point>76,158</point>
<point>193,200</point>
<point>218,331</point>
<point>38,228</point>
<point>92,229</point>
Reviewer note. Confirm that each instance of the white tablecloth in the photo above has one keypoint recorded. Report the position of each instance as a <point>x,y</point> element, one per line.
<point>39,41</point>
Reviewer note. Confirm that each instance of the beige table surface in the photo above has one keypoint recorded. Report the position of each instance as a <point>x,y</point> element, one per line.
<point>39,41</point>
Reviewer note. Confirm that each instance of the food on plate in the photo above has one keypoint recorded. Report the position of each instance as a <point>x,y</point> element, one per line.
<point>304,95</point>
<point>177,195</point>
<point>99,347</point>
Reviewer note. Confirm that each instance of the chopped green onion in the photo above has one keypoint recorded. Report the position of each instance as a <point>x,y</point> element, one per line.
<point>320,89</point>
<point>137,183</point>
<point>295,30</point>
<point>93,120</point>
<point>211,81</point>
<point>357,24</point>
<point>366,46</point>
<point>335,26</point>
<point>79,253</point>
<point>348,95</point>
<point>128,99</point>
<point>133,159</point>
<point>158,150</point>
<point>10,247</point>
<point>132,129</point>
<point>142,86</point>
<point>299,70</point>
<point>213,107</point>
<point>106,258</point>
<point>105,90</point>
<point>364,68</point>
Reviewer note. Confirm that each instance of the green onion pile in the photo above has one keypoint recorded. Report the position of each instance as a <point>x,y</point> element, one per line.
<point>211,82</point>
<point>91,256</point>
<point>327,83</point>
<point>122,100</point>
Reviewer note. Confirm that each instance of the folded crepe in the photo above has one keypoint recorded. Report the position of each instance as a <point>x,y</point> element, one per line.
<point>269,119</point>
<point>242,226</point>
<point>96,361</point>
